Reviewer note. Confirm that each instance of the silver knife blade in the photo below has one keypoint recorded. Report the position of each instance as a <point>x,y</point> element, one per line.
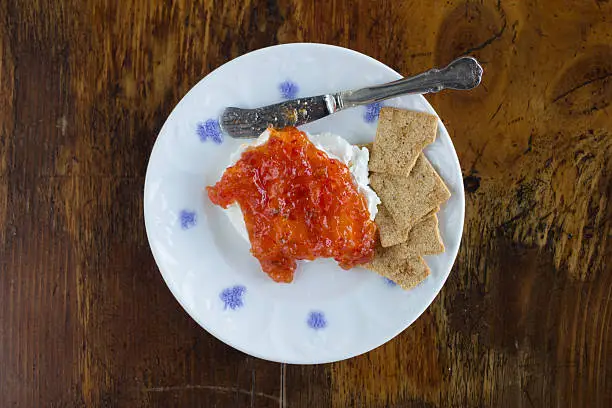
<point>248,123</point>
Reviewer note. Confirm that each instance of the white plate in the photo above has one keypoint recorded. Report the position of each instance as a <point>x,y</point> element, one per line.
<point>327,314</point>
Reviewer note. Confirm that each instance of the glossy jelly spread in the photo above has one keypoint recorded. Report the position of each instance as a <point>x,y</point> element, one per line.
<point>298,204</point>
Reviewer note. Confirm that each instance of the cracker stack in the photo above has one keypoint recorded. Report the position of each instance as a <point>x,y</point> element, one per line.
<point>411,193</point>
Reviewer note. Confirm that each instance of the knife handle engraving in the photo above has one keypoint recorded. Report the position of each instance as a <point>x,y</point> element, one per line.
<point>463,73</point>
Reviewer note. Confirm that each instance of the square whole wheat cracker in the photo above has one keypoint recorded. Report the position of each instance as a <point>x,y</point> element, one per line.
<point>407,273</point>
<point>423,239</point>
<point>389,232</point>
<point>401,136</point>
<point>410,198</point>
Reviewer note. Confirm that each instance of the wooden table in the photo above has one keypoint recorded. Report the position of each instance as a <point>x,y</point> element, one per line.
<point>525,317</point>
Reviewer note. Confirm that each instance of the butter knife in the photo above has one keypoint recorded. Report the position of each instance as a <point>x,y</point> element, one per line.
<point>462,74</point>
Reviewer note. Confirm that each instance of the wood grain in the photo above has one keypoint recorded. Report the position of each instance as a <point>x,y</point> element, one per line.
<point>524,319</point>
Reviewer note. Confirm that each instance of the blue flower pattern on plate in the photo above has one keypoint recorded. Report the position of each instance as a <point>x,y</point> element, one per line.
<point>389,282</point>
<point>288,89</point>
<point>232,297</point>
<point>372,112</point>
<point>188,219</point>
<point>316,320</point>
<point>210,130</point>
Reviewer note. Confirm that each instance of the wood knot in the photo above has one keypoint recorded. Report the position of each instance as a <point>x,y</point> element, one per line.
<point>477,30</point>
<point>471,183</point>
<point>586,85</point>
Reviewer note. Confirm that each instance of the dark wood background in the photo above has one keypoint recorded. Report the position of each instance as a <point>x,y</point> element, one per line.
<point>86,320</point>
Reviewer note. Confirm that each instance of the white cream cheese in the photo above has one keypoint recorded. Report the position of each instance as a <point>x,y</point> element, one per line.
<point>335,147</point>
